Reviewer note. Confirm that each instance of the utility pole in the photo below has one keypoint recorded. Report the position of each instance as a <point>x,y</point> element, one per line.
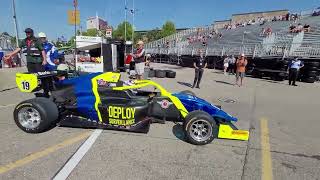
<point>16,29</point>
<point>125,28</point>
<point>133,12</point>
<point>15,22</point>
<point>75,4</point>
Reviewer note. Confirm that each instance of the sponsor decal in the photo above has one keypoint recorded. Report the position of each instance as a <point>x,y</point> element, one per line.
<point>42,73</point>
<point>165,104</point>
<point>123,116</point>
<point>239,132</point>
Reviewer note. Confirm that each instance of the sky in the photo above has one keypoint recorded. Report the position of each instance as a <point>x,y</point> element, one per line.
<point>50,16</point>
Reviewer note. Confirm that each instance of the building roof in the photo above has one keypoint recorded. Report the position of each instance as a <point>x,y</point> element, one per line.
<point>222,20</point>
<point>260,12</point>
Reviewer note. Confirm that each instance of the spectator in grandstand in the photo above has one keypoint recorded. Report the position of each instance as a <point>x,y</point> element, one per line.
<point>292,28</point>
<point>294,68</point>
<point>225,64</point>
<point>232,62</point>
<point>199,65</point>
<point>287,16</point>
<point>263,32</point>
<point>306,28</point>
<point>1,56</point>
<point>138,56</point>
<point>299,28</point>
<point>241,69</point>
<point>167,44</point>
<point>269,31</point>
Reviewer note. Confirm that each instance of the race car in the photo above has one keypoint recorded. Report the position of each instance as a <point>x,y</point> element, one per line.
<point>102,100</point>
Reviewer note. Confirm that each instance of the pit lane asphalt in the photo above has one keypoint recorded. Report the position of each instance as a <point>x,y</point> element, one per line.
<point>291,114</point>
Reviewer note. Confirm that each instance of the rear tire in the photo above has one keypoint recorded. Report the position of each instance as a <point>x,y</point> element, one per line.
<point>200,128</point>
<point>35,115</point>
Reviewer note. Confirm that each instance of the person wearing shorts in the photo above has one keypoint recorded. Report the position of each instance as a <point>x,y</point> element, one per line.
<point>241,69</point>
<point>139,60</point>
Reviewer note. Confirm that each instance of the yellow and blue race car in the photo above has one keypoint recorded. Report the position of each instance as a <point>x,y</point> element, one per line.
<point>102,100</point>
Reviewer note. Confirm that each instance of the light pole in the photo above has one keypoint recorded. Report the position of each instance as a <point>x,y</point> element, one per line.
<point>15,22</point>
<point>133,12</point>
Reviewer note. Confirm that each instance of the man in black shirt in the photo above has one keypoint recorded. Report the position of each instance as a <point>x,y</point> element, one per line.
<point>199,64</point>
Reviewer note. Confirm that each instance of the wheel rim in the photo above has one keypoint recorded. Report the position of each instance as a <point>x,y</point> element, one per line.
<point>29,117</point>
<point>200,130</point>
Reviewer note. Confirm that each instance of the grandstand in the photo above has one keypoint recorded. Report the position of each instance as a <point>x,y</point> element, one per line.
<point>247,39</point>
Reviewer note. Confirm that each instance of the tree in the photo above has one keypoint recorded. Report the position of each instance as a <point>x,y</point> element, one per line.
<point>137,37</point>
<point>168,28</point>
<point>92,32</point>
<point>119,33</point>
<point>154,34</point>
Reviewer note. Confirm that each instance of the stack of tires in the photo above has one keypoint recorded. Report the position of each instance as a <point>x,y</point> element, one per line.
<point>161,73</point>
<point>310,72</point>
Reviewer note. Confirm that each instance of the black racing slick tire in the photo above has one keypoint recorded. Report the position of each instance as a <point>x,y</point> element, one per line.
<point>309,79</point>
<point>310,68</point>
<point>35,115</point>
<point>314,63</point>
<point>170,74</point>
<point>310,73</point>
<point>160,73</point>
<point>188,92</point>
<point>152,73</point>
<point>200,128</point>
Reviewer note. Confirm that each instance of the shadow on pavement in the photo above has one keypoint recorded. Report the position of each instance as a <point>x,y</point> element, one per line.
<point>185,84</point>
<point>223,82</point>
<point>177,130</point>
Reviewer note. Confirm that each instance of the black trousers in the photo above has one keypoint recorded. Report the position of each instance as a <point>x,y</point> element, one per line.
<point>293,74</point>
<point>35,67</point>
<point>197,77</point>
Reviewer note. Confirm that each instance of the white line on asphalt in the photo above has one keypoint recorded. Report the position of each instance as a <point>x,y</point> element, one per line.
<point>76,158</point>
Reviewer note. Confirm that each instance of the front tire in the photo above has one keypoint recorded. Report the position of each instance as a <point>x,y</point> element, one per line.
<point>200,128</point>
<point>35,115</point>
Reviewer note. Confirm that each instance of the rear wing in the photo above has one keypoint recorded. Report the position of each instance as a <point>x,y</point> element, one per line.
<point>31,82</point>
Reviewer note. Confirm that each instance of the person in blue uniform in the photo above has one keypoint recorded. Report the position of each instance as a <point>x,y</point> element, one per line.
<point>294,68</point>
<point>51,53</point>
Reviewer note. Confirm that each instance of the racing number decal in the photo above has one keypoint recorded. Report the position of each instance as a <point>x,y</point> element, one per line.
<point>25,85</point>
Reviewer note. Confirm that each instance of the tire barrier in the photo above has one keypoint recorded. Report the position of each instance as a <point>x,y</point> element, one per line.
<point>152,73</point>
<point>170,74</point>
<point>160,73</point>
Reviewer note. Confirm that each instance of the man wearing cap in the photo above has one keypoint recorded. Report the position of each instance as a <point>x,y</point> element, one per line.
<point>138,57</point>
<point>32,48</point>
<point>293,69</point>
<point>241,69</point>
<point>51,53</point>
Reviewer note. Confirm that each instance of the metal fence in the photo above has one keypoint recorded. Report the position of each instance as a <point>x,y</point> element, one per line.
<point>251,50</point>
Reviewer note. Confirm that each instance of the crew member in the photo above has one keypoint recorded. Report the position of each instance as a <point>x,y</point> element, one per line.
<point>139,60</point>
<point>32,48</point>
<point>293,69</point>
<point>51,53</point>
<point>241,69</point>
<point>199,64</point>
<point>232,62</point>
